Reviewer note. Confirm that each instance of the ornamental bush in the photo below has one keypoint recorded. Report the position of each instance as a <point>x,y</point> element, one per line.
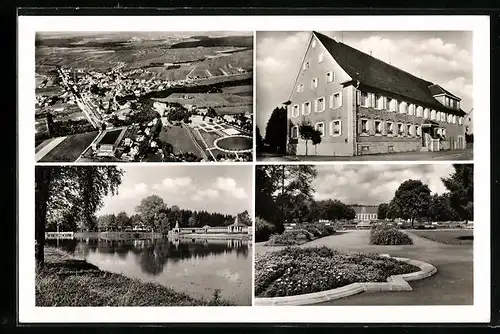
<point>263,229</point>
<point>389,236</point>
<point>290,238</point>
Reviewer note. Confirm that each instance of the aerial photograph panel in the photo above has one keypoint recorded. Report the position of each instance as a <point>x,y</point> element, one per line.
<point>143,96</point>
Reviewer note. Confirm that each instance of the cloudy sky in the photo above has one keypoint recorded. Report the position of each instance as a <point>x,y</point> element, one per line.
<point>443,57</point>
<point>375,183</point>
<point>224,189</point>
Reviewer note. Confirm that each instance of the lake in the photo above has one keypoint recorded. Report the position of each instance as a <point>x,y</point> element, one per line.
<point>195,266</point>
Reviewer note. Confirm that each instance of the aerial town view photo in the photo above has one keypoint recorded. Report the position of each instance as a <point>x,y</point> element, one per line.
<point>143,96</point>
<point>143,235</point>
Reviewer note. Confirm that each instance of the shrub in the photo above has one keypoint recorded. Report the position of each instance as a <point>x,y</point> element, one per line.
<point>389,236</point>
<point>263,229</point>
<point>295,271</point>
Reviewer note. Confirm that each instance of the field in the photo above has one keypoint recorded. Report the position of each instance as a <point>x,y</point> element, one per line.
<point>234,110</point>
<point>179,139</point>
<point>70,148</point>
<point>206,99</point>
<point>245,90</point>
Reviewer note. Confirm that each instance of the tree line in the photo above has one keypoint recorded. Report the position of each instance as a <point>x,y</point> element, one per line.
<point>413,200</point>
<point>284,193</point>
<point>153,214</point>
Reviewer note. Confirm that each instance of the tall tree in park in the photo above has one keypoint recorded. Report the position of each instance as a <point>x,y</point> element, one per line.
<point>244,217</point>
<point>382,211</point>
<point>276,130</point>
<point>265,207</point>
<point>259,141</point>
<point>123,221</point>
<point>192,221</point>
<point>153,212</point>
<point>309,133</point>
<point>460,185</point>
<point>79,190</point>
<point>411,201</point>
<point>440,208</point>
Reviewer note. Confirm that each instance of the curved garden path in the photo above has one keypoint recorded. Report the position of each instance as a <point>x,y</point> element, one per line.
<point>452,285</point>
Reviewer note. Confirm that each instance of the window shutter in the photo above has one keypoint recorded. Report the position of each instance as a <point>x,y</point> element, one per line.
<point>383,125</point>
<point>360,126</point>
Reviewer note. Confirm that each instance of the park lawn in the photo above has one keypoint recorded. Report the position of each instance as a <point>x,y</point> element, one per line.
<point>70,148</point>
<point>67,281</point>
<point>446,236</point>
<point>178,137</point>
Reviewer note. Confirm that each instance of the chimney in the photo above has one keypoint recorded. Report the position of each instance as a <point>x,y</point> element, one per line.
<point>370,53</point>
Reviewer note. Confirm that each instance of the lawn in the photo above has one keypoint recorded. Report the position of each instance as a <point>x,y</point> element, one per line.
<point>207,99</point>
<point>245,90</point>
<point>234,110</point>
<point>447,236</point>
<point>294,270</point>
<point>67,281</point>
<point>70,148</point>
<point>179,139</point>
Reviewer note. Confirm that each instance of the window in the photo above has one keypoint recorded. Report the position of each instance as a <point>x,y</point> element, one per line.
<point>392,104</point>
<point>390,128</point>
<point>313,44</point>
<point>433,114</point>
<point>336,128</point>
<point>419,111</point>
<point>364,99</point>
<point>403,107</point>
<point>306,108</point>
<point>379,100</point>
<point>454,119</point>
<point>295,111</point>
<point>294,133</point>
<point>378,127</point>
<point>329,76</point>
<point>320,126</point>
<point>314,83</point>
<point>460,120</point>
<point>418,130</point>
<point>426,113</point>
<point>364,126</point>
<point>400,129</point>
<point>448,119</point>
<point>306,65</point>
<point>443,132</point>
<point>411,109</point>
<point>409,130</point>
<point>300,88</point>
<point>336,100</point>
<point>454,104</point>
<point>320,57</point>
<point>320,104</point>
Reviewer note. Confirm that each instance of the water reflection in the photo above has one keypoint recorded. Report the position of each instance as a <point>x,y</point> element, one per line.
<point>222,262</point>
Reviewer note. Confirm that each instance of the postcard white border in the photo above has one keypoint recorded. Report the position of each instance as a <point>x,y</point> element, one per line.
<point>479,312</point>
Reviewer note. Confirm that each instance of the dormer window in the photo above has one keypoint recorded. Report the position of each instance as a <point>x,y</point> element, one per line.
<point>314,83</point>
<point>306,65</point>
<point>320,57</point>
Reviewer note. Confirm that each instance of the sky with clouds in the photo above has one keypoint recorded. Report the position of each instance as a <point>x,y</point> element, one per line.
<point>224,189</point>
<point>443,57</point>
<point>375,183</point>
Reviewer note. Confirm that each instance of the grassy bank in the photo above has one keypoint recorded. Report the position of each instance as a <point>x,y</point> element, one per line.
<point>66,281</point>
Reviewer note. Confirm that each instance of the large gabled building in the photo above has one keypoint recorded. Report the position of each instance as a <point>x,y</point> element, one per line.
<point>362,105</point>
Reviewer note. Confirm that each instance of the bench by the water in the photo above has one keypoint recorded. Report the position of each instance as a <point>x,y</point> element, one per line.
<point>59,235</point>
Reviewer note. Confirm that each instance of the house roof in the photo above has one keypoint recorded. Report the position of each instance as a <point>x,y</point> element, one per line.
<point>365,209</point>
<point>374,73</point>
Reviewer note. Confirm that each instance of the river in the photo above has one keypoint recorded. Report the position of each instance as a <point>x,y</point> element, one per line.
<point>195,266</point>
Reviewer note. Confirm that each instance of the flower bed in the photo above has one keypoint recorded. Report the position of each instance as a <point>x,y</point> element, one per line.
<point>387,235</point>
<point>294,271</point>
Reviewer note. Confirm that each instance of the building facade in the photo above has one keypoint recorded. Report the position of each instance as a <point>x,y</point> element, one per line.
<point>362,105</point>
<point>469,122</point>
<point>366,213</point>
